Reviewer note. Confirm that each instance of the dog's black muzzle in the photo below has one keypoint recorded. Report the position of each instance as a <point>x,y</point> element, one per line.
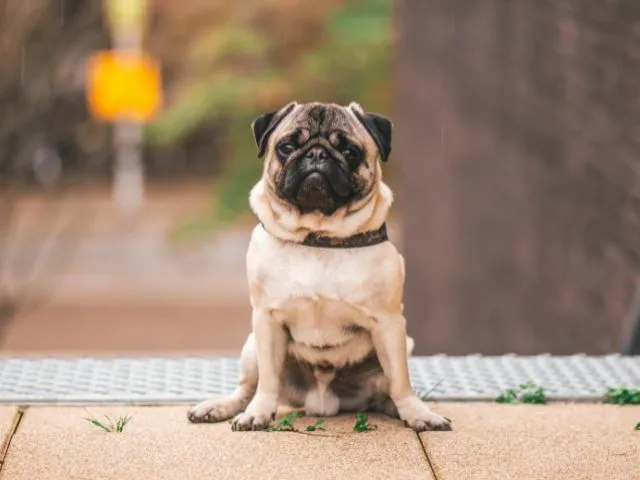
<point>317,181</point>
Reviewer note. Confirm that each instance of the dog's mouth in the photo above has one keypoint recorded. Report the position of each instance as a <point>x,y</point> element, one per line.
<point>315,193</point>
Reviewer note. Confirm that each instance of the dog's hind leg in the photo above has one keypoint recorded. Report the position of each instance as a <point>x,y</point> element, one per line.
<point>219,409</point>
<point>382,403</point>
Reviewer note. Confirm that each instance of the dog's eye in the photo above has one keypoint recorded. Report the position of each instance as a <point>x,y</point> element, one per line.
<point>350,154</point>
<point>286,149</point>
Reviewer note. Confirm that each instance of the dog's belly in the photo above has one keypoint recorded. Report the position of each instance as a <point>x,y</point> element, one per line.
<point>324,330</point>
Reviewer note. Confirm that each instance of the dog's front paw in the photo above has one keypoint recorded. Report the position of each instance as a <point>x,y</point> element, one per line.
<point>257,416</point>
<point>419,417</point>
<point>246,421</point>
<point>215,410</point>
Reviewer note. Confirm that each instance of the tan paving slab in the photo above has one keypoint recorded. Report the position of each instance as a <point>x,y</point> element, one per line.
<point>556,441</point>
<point>8,419</point>
<point>159,443</point>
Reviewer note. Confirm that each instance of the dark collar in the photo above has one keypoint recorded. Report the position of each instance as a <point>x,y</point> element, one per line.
<point>365,239</point>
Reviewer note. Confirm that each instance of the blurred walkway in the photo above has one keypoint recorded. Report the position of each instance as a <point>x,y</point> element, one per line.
<point>112,286</point>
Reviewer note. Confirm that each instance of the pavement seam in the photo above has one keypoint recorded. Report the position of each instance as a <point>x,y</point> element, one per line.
<point>6,444</point>
<point>432,466</point>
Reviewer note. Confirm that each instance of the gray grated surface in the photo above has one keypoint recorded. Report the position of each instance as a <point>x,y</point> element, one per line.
<point>187,379</point>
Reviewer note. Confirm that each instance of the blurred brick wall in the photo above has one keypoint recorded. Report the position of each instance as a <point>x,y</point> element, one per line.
<point>516,136</point>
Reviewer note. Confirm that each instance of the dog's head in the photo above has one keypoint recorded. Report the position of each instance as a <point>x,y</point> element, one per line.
<point>319,157</point>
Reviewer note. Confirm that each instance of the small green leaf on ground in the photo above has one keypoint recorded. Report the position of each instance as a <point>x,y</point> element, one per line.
<point>623,396</point>
<point>285,424</point>
<point>525,393</point>
<point>316,426</point>
<point>508,396</point>
<point>110,426</point>
<point>637,427</point>
<point>532,393</point>
<point>362,423</point>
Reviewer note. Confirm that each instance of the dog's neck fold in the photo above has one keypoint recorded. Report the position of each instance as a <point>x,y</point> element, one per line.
<point>285,222</point>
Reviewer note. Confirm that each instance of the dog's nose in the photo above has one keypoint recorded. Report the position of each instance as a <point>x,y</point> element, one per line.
<point>317,153</point>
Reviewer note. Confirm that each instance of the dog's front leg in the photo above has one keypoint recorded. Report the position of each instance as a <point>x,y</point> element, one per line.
<point>271,344</point>
<point>390,341</point>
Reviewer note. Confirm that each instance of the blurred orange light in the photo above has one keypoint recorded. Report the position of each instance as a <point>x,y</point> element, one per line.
<point>123,86</point>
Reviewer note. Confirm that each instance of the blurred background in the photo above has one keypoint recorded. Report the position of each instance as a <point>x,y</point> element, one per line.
<point>516,168</point>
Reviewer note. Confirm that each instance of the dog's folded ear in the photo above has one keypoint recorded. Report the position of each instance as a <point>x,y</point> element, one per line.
<point>265,124</point>
<point>378,126</point>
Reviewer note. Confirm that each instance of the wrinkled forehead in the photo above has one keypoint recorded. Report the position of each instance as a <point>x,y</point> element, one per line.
<point>314,120</point>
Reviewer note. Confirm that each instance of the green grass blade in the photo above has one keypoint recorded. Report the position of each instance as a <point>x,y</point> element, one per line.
<point>96,423</point>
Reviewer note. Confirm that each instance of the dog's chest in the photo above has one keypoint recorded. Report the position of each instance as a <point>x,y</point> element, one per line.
<point>321,291</point>
<point>320,322</point>
<point>320,303</point>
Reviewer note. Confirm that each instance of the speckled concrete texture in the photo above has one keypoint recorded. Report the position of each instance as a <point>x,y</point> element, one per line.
<point>159,443</point>
<point>556,441</point>
<point>8,419</point>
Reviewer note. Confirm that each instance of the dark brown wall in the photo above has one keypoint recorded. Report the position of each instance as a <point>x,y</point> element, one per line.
<point>516,137</point>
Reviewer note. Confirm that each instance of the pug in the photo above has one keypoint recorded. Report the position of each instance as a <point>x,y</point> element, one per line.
<point>326,284</point>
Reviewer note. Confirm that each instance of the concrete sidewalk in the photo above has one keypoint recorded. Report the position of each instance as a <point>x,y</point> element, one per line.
<point>489,441</point>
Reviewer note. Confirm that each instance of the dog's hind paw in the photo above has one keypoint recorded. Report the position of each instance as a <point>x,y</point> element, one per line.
<point>215,410</point>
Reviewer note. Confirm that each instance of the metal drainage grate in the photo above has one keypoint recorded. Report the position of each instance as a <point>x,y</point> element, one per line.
<point>188,379</point>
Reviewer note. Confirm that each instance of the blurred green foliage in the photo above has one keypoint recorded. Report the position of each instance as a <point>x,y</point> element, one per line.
<point>236,73</point>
